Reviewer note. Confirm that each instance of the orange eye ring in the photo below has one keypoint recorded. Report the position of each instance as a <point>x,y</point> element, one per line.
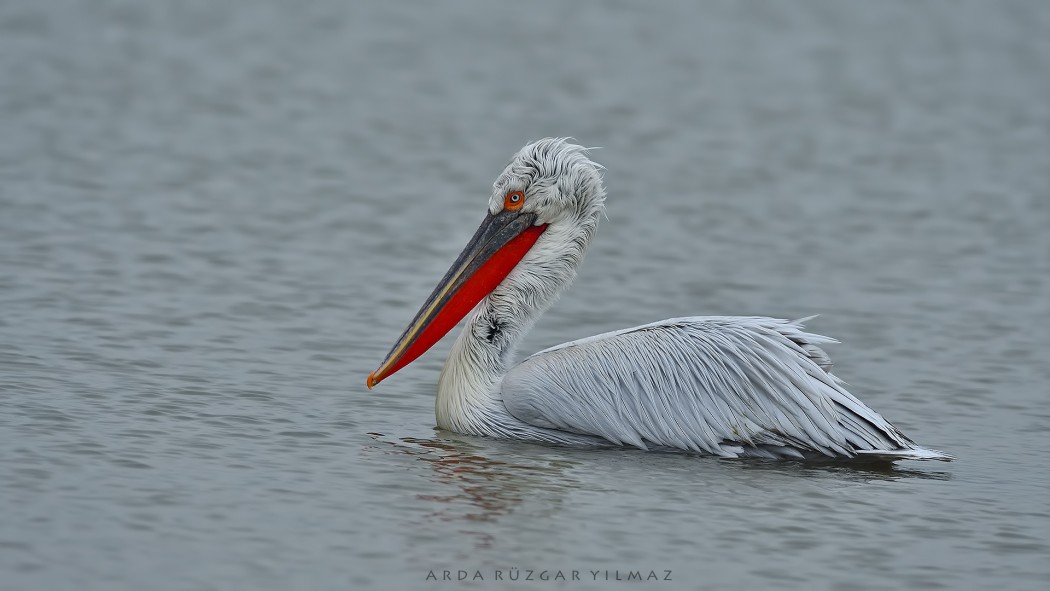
<point>513,201</point>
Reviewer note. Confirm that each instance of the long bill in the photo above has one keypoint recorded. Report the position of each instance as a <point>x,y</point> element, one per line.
<point>496,248</point>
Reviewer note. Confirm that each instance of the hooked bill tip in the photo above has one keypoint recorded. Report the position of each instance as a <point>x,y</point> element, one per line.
<point>371,380</point>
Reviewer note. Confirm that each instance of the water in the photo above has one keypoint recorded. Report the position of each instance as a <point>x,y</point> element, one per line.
<point>215,218</point>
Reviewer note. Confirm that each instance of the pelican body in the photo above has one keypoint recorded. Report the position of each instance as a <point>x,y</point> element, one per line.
<point>725,386</point>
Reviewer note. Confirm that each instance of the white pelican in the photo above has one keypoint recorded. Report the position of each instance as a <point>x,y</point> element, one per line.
<point>727,386</point>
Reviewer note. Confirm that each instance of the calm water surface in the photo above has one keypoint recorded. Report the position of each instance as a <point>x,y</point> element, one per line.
<point>215,218</point>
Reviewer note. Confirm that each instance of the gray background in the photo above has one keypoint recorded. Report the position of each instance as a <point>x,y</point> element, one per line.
<point>216,217</point>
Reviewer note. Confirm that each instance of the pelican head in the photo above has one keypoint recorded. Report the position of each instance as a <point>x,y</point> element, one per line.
<point>557,179</point>
<point>542,214</point>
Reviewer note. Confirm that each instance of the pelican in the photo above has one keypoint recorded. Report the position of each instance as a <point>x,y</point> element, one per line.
<point>732,387</point>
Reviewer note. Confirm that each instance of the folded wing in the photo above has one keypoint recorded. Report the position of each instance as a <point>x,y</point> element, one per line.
<point>729,386</point>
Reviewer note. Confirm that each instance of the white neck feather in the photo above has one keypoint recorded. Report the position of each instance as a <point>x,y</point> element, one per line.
<point>468,396</point>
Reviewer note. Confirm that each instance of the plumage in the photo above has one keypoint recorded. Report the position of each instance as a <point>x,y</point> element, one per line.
<point>720,385</point>
<point>725,386</point>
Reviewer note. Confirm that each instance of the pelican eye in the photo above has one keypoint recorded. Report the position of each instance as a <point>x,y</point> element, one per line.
<point>514,200</point>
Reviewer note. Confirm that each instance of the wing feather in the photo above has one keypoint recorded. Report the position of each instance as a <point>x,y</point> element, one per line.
<point>727,386</point>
